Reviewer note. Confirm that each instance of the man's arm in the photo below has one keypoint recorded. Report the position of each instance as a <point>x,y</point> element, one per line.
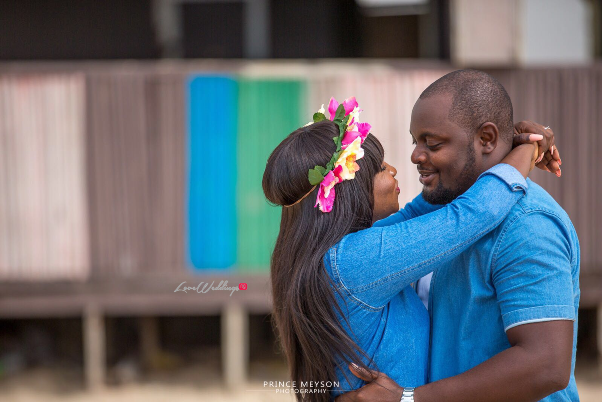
<point>537,365</point>
<point>533,282</point>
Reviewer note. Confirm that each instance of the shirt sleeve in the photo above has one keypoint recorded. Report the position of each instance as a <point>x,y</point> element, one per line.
<point>532,271</point>
<point>374,264</point>
<point>417,207</point>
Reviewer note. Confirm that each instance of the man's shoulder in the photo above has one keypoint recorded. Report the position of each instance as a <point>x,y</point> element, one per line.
<point>537,201</point>
<point>534,218</point>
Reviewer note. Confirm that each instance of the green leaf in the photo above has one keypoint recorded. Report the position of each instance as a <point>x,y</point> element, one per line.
<point>340,114</point>
<point>335,157</point>
<point>315,177</point>
<point>321,169</point>
<point>338,142</point>
<point>319,117</point>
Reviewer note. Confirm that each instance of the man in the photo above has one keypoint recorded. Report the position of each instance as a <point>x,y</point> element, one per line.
<point>504,312</point>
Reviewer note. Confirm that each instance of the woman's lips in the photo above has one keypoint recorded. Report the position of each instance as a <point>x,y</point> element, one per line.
<point>426,178</point>
<point>397,189</point>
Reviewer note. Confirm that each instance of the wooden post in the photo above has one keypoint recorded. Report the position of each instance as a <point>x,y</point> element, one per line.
<point>150,343</point>
<point>235,345</point>
<point>599,337</point>
<point>94,347</point>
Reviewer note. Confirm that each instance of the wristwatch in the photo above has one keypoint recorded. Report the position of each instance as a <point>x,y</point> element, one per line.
<point>407,395</point>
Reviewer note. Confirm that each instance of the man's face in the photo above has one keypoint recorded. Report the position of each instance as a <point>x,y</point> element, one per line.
<point>444,152</point>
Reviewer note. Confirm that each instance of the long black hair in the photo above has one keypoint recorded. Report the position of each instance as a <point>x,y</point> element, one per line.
<point>305,308</point>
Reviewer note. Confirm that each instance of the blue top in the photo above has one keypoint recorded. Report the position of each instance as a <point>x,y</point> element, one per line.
<point>524,271</point>
<point>373,268</point>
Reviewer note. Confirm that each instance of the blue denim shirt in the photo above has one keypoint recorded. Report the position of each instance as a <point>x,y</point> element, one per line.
<point>525,271</point>
<point>372,271</point>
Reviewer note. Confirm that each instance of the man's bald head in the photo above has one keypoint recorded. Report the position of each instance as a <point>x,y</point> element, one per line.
<point>477,98</point>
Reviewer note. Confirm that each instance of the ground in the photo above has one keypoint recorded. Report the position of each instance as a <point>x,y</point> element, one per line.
<point>197,383</point>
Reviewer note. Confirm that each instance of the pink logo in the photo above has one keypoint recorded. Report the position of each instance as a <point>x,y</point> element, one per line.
<point>242,286</point>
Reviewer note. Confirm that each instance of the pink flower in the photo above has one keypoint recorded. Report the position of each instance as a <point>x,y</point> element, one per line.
<point>326,192</point>
<point>364,129</point>
<point>338,173</point>
<point>349,104</point>
<point>350,136</point>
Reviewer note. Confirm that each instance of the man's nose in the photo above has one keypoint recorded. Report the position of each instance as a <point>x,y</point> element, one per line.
<point>418,156</point>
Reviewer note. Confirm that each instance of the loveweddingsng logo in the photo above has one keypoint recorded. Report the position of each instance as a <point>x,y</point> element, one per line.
<point>205,287</point>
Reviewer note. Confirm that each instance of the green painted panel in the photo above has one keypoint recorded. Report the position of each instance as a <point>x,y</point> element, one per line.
<point>269,110</point>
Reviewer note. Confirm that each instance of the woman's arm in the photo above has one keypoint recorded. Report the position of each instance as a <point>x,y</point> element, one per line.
<point>376,263</point>
<point>417,207</point>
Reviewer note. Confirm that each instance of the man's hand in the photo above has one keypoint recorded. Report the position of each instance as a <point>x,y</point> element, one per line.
<point>549,157</point>
<point>380,387</point>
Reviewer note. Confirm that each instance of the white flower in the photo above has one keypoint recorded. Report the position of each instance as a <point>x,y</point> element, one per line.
<point>354,117</point>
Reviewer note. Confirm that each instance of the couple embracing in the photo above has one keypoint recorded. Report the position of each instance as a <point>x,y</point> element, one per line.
<point>468,293</point>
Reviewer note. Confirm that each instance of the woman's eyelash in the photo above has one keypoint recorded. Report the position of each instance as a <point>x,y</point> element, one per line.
<point>383,168</point>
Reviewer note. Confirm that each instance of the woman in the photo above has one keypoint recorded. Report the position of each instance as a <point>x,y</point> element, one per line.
<point>321,254</point>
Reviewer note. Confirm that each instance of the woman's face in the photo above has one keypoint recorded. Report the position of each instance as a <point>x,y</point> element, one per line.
<point>386,193</point>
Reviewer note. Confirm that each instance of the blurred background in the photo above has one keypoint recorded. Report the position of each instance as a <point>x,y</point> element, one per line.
<point>133,138</point>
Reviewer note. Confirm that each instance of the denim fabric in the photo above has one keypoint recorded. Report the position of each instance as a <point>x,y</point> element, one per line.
<point>525,271</point>
<point>372,269</point>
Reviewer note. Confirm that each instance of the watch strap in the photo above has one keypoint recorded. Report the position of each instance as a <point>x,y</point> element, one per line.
<point>407,395</point>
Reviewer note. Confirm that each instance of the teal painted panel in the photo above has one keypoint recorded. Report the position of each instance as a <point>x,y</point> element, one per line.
<point>269,110</point>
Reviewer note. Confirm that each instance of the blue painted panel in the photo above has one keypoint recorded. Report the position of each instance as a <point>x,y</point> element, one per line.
<point>213,118</point>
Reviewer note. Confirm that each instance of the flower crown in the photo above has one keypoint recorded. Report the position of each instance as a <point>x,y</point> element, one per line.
<point>342,166</point>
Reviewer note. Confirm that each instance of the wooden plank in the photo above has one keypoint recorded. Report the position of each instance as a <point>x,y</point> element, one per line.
<point>43,211</point>
<point>154,296</point>
<point>135,136</point>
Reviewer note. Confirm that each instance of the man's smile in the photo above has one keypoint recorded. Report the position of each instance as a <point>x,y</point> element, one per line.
<point>426,176</point>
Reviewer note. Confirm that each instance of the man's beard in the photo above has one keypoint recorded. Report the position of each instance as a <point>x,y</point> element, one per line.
<point>443,195</point>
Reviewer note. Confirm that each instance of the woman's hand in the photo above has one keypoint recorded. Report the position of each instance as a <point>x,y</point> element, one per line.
<point>549,157</point>
<point>523,158</point>
<point>379,388</point>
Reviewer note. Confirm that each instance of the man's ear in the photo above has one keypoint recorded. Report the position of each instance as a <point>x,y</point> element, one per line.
<point>488,136</point>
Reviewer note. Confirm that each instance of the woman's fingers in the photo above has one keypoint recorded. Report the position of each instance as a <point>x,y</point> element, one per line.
<point>556,155</point>
<point>525,138</point>
<point>366,375</point>
<point>549,163</point>
<point>554,167</point>
<point>553,162</point>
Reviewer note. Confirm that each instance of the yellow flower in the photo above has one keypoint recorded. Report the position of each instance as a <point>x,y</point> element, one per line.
<point>347,159</point>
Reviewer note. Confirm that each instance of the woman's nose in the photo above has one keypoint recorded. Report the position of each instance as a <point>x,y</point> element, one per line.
<point>393,170</point>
